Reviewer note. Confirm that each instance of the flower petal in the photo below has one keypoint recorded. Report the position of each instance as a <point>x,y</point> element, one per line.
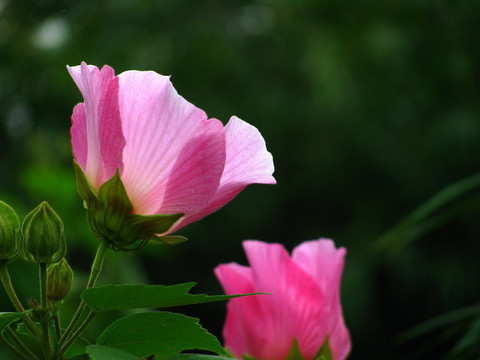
<point>297,308</point>
<point>97,137</point>
<point>325,264</point>
<point>242,333</point>
<point>322,261</point>
<point>247,162</point>
<point>174,156</point>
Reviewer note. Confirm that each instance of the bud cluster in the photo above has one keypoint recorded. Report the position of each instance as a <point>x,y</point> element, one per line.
<point>40,239</point>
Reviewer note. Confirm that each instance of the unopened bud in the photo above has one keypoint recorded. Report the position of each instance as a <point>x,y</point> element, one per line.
<point>9,225</point>
<point>42,237</point>
<point>59,280</point>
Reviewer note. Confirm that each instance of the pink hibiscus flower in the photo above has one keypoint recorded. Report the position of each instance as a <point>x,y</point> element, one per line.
<point>304,304</point>
<point>170,158</point>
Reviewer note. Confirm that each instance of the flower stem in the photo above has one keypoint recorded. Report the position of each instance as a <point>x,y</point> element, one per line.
<point>77,333</point>
<point>58,328</point>
<point>25,351</point>
<point>44,305</point>
<point>12,348</point>
<point>43,286</point>
<point>94,272</point>
<point>7,284</point>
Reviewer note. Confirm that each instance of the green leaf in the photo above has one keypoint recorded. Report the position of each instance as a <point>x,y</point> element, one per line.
<point>158,333</point>
<point>452,201</point>
<point>468,347</point>
<point>325,353</point>
<point>85,188</point>
<point>100,352</point>
<point>443,320</point>
<point>154,224</point>
<point>294,353</point>
<point>6,318</point>
<point>117,297</point>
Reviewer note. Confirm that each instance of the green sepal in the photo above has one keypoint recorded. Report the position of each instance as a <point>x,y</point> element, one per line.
<point>187,356</point>
<point>325,352</point>
<point>110,215</point>
<point>295,353</point>
<point>84,187</point>
<point>155,224</point>
<point>9,226</point>
<point>112,194</point>
<point>169,239</point>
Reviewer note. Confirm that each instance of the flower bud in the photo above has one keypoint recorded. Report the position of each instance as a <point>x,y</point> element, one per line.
<point>59,280</point>
<point>42,238</point>
<point>9,225</point>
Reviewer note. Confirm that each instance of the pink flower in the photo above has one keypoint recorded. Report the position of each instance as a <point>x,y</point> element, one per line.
<point>304,303</point>
<point>170,157</point>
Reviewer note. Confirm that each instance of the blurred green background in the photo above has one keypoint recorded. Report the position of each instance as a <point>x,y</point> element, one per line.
<point>368,107</point>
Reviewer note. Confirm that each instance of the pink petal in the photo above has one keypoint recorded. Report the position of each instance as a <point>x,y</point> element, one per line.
<point>97,137</point>
<point>325,263</point>
<point>247,162</point>
<point>79,135</point>
<point>174,156</point>
<point>243,333</point>
<point>297,308</point>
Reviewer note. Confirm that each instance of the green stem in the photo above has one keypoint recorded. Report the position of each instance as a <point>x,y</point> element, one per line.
<point>20,344</point>
<point>44,320</point>
<point>77,333</point>
<point>43,286</point>
<point>58,328</point>
<point>7,284</point>
<point>94,272</point>
<point>12,348</point>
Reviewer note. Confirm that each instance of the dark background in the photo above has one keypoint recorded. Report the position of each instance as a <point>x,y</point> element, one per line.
<point>368,107</point>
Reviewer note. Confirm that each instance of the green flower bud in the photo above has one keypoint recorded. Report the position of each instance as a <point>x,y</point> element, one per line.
<point>42,238</point>
<point>59,280</point>
<point>9,225</point>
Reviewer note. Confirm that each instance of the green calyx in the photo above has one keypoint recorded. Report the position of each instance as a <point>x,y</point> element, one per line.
<point>9,226</point>
<point>110,215</point>
<point>59,280</point>
<point>324,353</point>
<point>42,238</point>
